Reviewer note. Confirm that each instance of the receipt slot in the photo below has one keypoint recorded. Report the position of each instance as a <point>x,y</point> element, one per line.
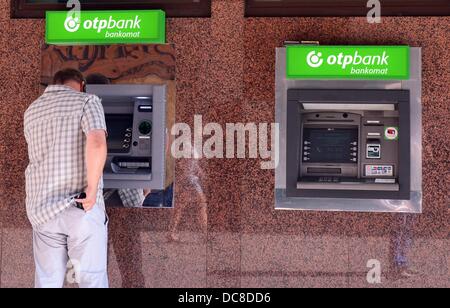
<point>349,144</point>
<point>135,119</point>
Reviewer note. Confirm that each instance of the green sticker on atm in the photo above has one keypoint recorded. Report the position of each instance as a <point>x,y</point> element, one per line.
<point>347,62</point>
<point>105,27</point>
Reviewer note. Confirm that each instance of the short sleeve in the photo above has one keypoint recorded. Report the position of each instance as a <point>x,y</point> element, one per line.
<point>93,115</point>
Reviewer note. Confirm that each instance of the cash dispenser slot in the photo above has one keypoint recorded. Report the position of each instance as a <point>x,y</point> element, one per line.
<point>133,165</point>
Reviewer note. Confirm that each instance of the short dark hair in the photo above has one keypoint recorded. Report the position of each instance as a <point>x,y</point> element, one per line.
<point>68,74</point>
<point>97,78</point>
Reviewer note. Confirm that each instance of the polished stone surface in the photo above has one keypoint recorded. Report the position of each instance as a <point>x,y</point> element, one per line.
<point>228,234</point>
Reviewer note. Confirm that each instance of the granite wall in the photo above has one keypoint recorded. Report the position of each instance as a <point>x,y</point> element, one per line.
<point>228,234</point>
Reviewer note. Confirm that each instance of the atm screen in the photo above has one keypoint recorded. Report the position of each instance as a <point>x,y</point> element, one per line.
<point>120,128</point>
<point>330,145</point>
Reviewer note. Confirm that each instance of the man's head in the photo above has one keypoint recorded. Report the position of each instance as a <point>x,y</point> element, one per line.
<point>70,77</point>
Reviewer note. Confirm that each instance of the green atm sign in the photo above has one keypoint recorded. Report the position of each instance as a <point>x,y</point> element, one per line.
<point>347,62</point>
<point>105,27</point>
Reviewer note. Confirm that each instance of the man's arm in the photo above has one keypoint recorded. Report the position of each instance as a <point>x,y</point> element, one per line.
<point>94,127</point>
<point>96,151</point>
<point>95,162</point>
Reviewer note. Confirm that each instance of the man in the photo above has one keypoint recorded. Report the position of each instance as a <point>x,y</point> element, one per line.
<point>66,135</point>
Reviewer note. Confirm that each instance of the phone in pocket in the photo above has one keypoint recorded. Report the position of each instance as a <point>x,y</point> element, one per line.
<point>78,204</point>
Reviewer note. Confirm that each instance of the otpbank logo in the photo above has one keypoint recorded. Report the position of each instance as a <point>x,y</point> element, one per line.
<point>105,27</point>
<point>314,59</point>
<point>72,24</point>
<point>347,62</point>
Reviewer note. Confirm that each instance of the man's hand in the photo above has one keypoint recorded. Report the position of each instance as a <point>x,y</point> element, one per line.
<point>90,200</point>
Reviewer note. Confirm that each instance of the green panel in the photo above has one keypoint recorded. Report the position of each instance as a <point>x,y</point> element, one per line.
<point>347,62</point>
<point>106,27</point>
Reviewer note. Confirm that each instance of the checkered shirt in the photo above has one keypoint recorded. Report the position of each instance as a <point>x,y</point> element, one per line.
<point>55,127</point>
<point>132,197</point>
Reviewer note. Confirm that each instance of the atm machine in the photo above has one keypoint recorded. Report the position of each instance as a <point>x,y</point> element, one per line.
<point>349,145</point>
<point>135,119</point>
<point>346,143</point>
